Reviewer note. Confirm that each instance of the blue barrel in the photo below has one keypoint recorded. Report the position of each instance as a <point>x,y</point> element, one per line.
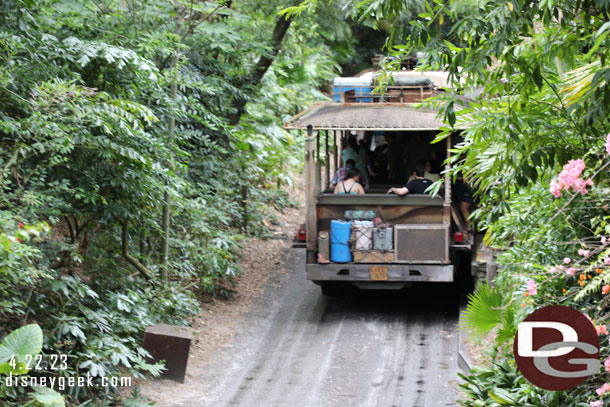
<point>340,232</point>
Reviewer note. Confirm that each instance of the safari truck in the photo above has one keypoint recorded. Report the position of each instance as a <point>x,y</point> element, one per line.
<point>414,238</point>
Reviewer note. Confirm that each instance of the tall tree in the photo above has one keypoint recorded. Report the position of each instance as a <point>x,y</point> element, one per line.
<point>251,82</point>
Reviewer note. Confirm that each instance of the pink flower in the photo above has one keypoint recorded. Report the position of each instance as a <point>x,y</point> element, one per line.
<point>597,403</point>
<point>531,287</point>
<point>560,267</point>
<point>603,390</point>
<point>601,330</point>
<point>571,171</point>
<point>555,188</point>
<point>606,289</point>
<point>553,269</point>
<point>567,260</point>
<point>580,185</point>
<point>607,365</point>
<point>583,252</point>
<point>608,143</point>
<point>607,261</point>
<point>570,271</point>
<point>569,177</point>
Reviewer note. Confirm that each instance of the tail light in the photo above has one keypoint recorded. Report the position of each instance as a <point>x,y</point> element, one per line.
<point>302,234</point>
<point>458,237</point>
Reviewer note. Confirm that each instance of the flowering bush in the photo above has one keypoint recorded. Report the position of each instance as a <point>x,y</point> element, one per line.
<point>543,113</point>
<point>561,256</point>
<point>569,177</point>
<point>531,287</point>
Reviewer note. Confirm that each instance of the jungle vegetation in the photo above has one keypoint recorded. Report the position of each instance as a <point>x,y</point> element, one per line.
<point>536,151</point>
<point>140,143</point>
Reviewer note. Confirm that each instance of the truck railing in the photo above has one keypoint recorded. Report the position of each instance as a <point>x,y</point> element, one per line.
<point>379,199</point>
<point>391,94</point>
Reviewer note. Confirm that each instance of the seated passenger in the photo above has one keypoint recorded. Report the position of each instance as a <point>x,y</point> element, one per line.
<point>432,177</point>
<point>417,186</point>
<point>464,195</point>
<point>378,166</point>
<point>350,184</point>
<point>342,172</point>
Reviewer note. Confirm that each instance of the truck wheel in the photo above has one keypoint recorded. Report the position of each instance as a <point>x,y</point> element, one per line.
<point>332,288</point>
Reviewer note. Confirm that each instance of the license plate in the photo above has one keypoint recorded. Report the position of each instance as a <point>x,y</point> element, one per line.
<point>379,273</point>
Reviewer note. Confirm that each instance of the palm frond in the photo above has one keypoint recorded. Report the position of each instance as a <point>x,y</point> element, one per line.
<point>508,326</point>
<point>484,310</point>
<point>581,82</point>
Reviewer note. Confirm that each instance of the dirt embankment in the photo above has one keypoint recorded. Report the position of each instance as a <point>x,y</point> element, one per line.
<point>219,320</point>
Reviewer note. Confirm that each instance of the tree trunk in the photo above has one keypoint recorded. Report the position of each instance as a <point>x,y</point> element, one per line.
<point>251,82</point>
<point>171,127</point>
<point>130,259</point>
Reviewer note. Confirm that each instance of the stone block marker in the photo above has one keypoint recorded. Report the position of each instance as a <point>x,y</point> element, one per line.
<point>170,343</point>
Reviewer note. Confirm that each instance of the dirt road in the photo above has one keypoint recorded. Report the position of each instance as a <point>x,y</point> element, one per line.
<point>297,348</point>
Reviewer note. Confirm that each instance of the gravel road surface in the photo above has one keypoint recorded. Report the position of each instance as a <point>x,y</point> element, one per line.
<point>369,348</point>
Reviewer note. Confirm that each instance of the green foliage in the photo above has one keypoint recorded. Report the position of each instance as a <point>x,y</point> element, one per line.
<point>533,79</point>
<point>502,385</point>
<point>490,308</point>
<point>484,310</point>
<point>45,397</point>
<point>88,162</point>
<point>15,349</point>
<point>19,350</point>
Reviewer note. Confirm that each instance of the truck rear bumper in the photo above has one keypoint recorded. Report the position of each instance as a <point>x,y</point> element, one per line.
<point>396,272</point>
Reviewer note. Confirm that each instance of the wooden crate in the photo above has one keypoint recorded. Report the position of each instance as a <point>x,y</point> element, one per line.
<point>373,256</point>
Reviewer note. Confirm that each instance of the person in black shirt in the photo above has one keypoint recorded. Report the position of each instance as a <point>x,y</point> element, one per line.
<point>416,186</point>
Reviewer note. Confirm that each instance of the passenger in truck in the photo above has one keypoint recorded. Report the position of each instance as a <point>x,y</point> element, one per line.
<point>465,197</point>
<point>378,166</point>
<point>352,152</point>
<point>342,172</point>
<point>428,175</point>
<point>418,185</point>
<point>350,184</point>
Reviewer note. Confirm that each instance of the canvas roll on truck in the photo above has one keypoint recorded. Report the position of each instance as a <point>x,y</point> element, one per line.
<point>420,233</point>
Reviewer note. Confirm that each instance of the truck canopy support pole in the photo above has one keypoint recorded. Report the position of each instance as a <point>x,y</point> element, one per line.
<point>447,204</point>
<point>318,165</point>
<point>342,145</point>
<point>335,150</point>
<point>310,193</point>
<point>447,176</point>
<point>327,162</point>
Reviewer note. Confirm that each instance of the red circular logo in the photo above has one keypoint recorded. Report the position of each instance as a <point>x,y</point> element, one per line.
<point>556,348</point>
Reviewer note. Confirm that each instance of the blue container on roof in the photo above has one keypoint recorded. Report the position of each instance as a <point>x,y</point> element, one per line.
<point>362,86</point>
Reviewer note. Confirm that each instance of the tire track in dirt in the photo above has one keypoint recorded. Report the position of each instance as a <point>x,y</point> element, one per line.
<point>297,348</point>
